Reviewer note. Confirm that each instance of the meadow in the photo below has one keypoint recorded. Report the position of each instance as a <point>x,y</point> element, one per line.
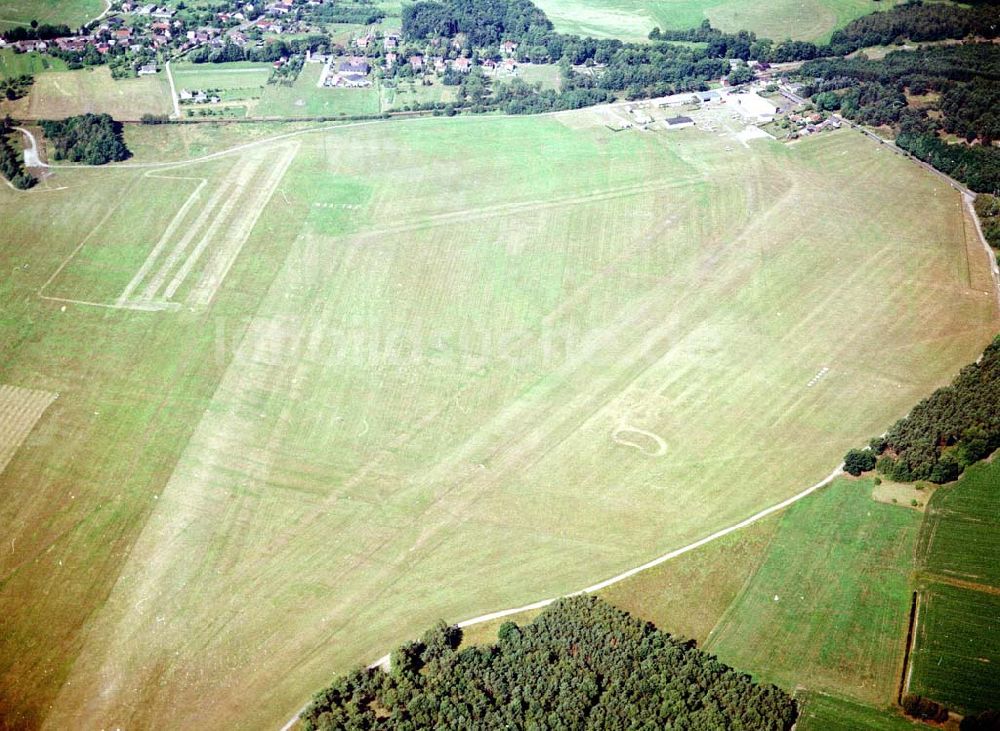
<point>60,94</point>
<point>956,656</point>
<point>73,13</point>
<point>829,607</point>
<point>631,20</point>
<point>16,64</point>
<point>440,374</point>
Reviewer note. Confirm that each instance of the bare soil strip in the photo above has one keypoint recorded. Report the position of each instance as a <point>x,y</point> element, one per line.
<point>20,410</point>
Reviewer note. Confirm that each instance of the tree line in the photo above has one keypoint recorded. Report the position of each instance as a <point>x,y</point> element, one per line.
<point>91,139</point>
<point>582,664</point>
<point>11,163</point>
<point>954,427</point>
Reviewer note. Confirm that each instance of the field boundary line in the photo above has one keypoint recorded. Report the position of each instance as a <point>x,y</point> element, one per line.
<point>83,241</point>
<point>383,662</point>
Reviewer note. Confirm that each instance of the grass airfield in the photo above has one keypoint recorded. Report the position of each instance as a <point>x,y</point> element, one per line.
<point>455,365</point>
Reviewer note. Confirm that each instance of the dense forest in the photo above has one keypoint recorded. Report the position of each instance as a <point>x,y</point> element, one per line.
<point>92,139</point>
<point>943,434</point>
<point>965,79</point>
<point>11,164</point>
<point>582,664</point>
<point>918,22</point>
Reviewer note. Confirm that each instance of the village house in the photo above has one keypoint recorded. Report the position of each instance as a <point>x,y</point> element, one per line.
<point>30,45</point>
<point>417,63</point>
<point>391,41</point>
<point>354,65</point>
<point>390,59</point>
<point>509,47</point>
<point>462,65</point>
<point>148,70</point>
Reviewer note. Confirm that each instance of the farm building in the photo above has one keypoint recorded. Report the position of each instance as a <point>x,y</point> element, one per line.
<point>678,122</point>
<point>707,96</point>
<point>753,106</point>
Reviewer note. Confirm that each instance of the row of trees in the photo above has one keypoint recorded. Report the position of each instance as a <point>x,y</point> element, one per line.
<point>582,664</point>
<point>988,211</point>
<point>92,139</point>
<point>956,426</point>
<point>269,52</point>
<point>11,165</point>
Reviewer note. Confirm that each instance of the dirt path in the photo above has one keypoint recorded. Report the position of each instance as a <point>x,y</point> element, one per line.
<point>383,662</point>
<point>31,156</point>
<point>173,92</point>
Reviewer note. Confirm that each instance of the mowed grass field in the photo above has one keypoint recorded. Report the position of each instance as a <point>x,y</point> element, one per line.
<point>631,20</point>
<point>73,13</point>
<point>829,607</point>
<point>455,365</point>
<point>60,94</point>
<point>304,98</point>
<point>240,80</point>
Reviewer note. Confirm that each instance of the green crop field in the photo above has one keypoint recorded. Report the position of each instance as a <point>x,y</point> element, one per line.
<point>304,98</point>
<point>61,94</point>
<point>960,538</point>
<point>822,712</point>
<point>829,607</point>
<point>73,13</point>
<point>808,20</point>
<point>315,394</point>
<point>956,655</point>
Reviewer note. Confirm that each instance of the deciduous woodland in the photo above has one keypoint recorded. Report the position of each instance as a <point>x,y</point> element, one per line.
<point>582,664</point>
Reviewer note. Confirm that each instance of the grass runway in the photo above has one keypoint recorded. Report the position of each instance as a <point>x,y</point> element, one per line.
<point>400,403</point>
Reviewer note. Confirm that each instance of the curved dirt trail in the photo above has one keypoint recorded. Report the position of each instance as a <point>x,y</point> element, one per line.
<point>383,662</point>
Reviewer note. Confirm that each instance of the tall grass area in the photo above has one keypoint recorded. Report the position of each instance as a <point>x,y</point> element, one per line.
<point>829,607</point>
<point>422,390</point>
